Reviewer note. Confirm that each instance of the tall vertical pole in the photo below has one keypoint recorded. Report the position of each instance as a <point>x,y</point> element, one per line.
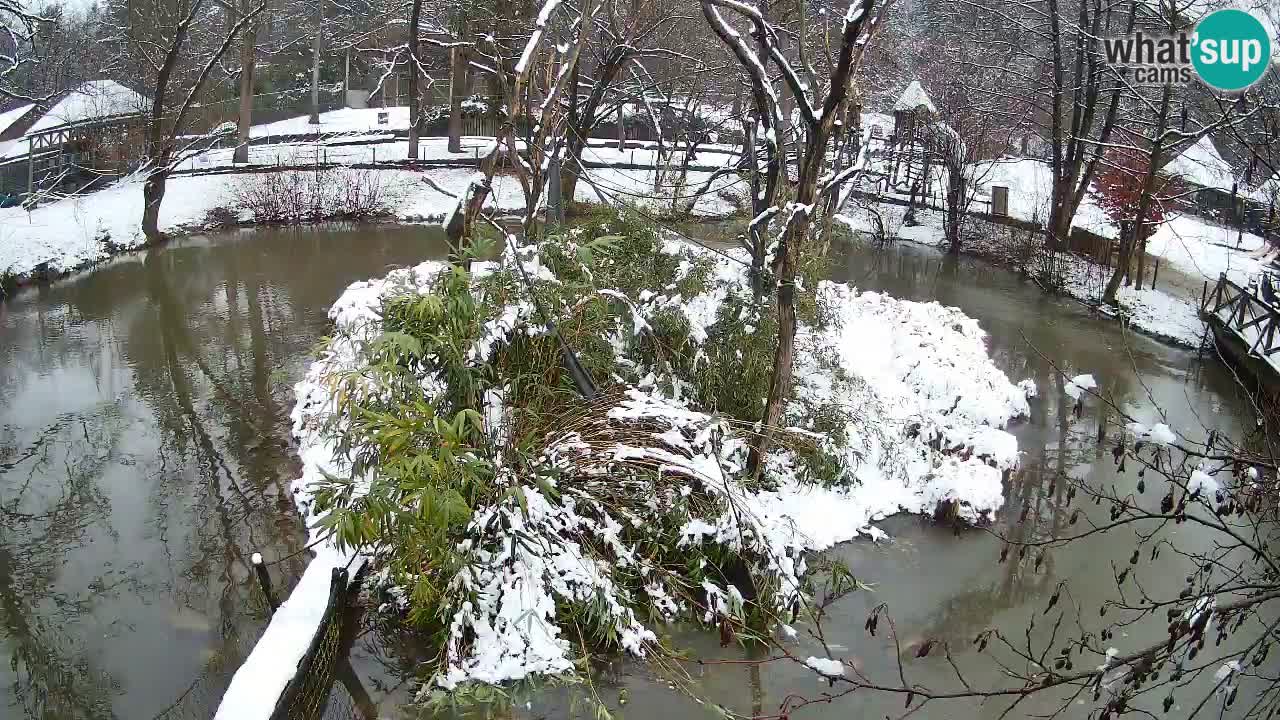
<point>457,86</point>
<point>31,168</point>
<point>315,65</point>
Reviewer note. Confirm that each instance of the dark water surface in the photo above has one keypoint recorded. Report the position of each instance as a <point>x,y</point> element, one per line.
<point>144,455</point>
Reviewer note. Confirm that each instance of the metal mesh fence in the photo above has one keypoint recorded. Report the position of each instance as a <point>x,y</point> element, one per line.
<point>307,694</point>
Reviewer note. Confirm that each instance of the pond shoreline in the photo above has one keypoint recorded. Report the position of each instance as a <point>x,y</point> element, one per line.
<point>1099,310</point>
<point>42,275</point>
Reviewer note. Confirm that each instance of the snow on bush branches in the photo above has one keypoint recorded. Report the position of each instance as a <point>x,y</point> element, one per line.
<point>521,526</point>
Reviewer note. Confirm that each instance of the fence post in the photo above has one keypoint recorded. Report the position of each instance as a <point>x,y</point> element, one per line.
<point>264,581</point>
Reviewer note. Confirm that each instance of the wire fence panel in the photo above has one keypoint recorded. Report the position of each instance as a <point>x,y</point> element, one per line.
<point>307,694</point>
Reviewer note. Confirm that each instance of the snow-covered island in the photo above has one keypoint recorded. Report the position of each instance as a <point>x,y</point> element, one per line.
<point>607,517</point>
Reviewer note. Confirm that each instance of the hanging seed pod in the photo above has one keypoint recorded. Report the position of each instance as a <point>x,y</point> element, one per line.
<point>1142,484</point>
<point>1121,577</point>
<point>1166,504</point>
<point>1039,561</point>
<point>1231,696</point>
<point>1133,559</point>
<point>1004,553</point>
<point>1168,703</point>
<point>1075,516</point>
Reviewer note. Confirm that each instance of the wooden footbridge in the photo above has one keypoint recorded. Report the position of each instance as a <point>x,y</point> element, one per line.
<point>1246,329</point>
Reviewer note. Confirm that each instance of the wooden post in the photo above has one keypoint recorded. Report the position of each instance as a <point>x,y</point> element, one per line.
<point>264,581</point>
<point>31,168</point>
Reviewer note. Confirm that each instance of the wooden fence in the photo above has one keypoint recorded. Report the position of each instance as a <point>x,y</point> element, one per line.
<point>1235,310</point>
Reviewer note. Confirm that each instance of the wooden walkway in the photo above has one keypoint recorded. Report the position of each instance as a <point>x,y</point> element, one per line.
<point>1247,330</point>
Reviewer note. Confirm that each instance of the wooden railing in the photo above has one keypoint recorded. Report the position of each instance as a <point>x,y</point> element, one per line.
<point>1250,317</point>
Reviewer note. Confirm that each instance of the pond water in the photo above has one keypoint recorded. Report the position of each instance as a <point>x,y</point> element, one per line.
<point>144,455</point>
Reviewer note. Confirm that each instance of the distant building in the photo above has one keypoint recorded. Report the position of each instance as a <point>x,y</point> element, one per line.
<point>89,132</point>
<point>912,113</point>
<point>1217,191</point>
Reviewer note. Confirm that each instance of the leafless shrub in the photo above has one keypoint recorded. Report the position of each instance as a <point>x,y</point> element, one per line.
<point>292,197</point>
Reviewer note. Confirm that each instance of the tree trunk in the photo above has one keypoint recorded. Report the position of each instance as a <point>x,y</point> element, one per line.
<point>152,195</point>
<point>315,65</point>
<point>955,209</point>
<point>622,126</point>
<point>415,113</point>
<point>248,64</point>
<point>1144,199</point>
<point>457,87</point>
<point>1122,265</point>
<point>1141,249</point>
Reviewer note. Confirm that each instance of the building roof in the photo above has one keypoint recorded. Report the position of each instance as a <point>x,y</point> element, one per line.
<point>91,101</point>
<point>1202,165</point>
<point>914,97</point>
<point>9,117</point>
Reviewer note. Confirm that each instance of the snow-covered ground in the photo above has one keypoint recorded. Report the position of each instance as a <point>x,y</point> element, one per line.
<point>1193,245</point>
<point>70,233</point>
<point>918,372</point>
<point>1171,315</point>
<point>383,147</point>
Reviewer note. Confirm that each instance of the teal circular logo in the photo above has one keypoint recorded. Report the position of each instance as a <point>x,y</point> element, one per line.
<point>1231,50</point>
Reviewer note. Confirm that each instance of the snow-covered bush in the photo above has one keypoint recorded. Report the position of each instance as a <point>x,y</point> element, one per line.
<point>522,526</point>
<point>309,196</point>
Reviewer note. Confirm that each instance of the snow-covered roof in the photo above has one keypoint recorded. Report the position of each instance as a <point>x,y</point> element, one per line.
<point>9,117</point>
<point>914,97</point>
<point>93,100</point>
<point>1265,191</point>
<point>1201,165</point>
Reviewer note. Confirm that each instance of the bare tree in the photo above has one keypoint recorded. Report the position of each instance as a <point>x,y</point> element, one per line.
<point>818,109</point>
<point>176,45</point>
<point>248,65</point>
<point>20,26</point>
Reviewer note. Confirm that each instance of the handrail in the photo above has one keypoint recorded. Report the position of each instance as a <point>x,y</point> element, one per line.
<point>1245,311</point>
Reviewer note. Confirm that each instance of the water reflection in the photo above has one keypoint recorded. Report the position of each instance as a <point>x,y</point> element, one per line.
<point>949,587</point>
<point>144,455</point>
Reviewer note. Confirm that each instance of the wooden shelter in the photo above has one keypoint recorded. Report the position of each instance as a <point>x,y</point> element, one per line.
<point>89,132</point>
